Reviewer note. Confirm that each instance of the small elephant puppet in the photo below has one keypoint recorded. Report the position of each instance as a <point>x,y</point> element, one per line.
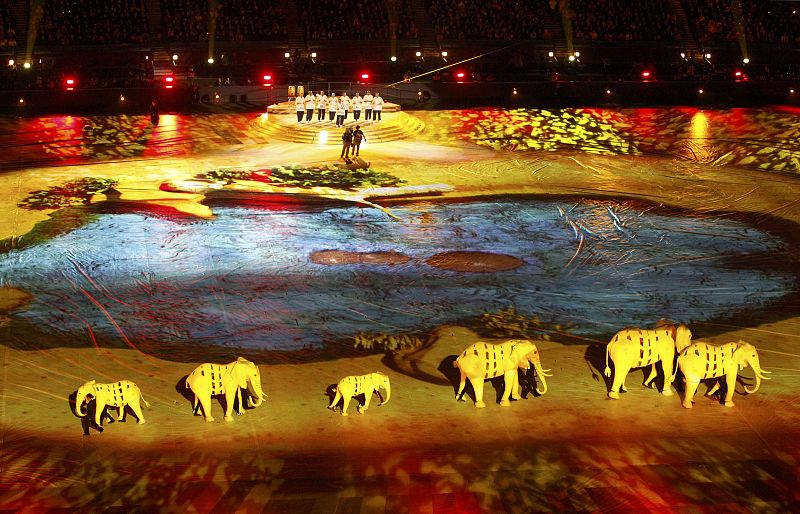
<point>701,361</point>
<point>351,386</point>
<point>638,347</point>
<point>117,395</point>
<point>209,380</point>
<point>482,361</point>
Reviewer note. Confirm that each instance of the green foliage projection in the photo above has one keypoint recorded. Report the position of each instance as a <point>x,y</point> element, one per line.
<point>510,323</point>
<point>336,177</point>
<point>71,193</point>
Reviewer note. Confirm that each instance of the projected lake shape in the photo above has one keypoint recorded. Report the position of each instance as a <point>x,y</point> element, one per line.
<point>289,280</point>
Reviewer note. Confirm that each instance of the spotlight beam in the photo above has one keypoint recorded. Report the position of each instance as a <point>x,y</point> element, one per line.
<point>455,64</point>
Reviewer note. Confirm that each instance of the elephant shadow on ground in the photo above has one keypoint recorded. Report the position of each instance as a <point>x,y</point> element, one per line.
<point>359,399</point>
<point>453,375</point>
<point>182,389</point>
<point>527,383</point>
<point>595,357</point>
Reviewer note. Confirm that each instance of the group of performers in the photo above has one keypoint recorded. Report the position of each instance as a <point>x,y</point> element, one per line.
<point>338,107</point>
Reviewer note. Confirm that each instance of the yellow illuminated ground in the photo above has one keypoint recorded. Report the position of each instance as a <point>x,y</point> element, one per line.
<point>571,449</point>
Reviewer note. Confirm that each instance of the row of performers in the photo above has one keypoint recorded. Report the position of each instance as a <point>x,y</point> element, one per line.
<point>338,107</point>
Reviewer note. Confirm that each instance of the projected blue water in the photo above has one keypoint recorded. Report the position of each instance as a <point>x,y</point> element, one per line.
<point>245,278</point>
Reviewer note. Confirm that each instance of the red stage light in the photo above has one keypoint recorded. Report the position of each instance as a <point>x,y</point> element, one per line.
<point>645,74</point>
<point>460,75</point>
<point>365,76</point>
<point>69,83</point>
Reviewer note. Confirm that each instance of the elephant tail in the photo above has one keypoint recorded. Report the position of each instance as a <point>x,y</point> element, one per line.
<point>455,363</point>
<point>608,369</point>
<point>145,401</point>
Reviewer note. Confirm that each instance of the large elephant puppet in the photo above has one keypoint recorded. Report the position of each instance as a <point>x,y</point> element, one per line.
<point>208,380</point>
<point>637,347</point>
<point>482,361</point>
<point>351,386</point>
<point>701,361</point>
<point>117,395</point>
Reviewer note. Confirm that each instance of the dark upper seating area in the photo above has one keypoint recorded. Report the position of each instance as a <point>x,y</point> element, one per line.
<point>343,19</point>
<point>772,22</point>
<point>235,20</point>
<point>711,21</point>
<point>92,22</point>
<point>494,19</point>
<point>623,20</point>
<point>8,34</point>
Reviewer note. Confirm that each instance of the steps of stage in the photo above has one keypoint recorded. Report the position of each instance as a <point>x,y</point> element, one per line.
<point>395,126</point>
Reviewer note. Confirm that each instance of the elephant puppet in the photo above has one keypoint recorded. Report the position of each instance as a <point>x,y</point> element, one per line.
<point>638,347</point>
<point>208,380</point>
<point>482,361</point>
<point>700,361</point>
<point>349,387</point>
<point>118,395</point>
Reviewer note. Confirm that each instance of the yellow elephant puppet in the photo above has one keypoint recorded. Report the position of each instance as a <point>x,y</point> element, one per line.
<point>701,361</point>
<point>209,380</point>
<point>638,347</point>
<point>482,361</point>
<point>351,386</point>
<point>117,395</point>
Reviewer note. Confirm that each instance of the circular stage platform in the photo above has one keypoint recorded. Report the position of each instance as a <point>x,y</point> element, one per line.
<point>280,122</point>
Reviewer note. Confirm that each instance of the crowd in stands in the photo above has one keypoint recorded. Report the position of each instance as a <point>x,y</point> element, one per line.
<point>185,21</point>
<point>494,19</point>
<point>343,19</point>
<point>624,20</point>
<point>92,22</point>
<point>232,20</point>
<point>406,29</point>
<point>772,22</point>
<point>8,34</point>
<point>710,20</point>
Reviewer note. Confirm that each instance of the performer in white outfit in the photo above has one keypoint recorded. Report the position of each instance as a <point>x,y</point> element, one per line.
<point>377,107</point>
<point>309,106</point>
<point>333,106</point>
<point>322,101</point>
<point>346,101</point>
<point>358,103</point>
<point>368,106</point>
<point>300,105</point>
<point>340,112</point>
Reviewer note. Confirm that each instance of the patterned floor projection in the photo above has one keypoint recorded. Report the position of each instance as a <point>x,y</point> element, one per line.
<point>137,251</point>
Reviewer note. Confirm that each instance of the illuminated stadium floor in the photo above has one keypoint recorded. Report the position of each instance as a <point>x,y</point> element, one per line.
<point>133,251</point>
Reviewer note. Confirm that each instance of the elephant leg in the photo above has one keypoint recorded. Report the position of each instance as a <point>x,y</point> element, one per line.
<point>509,378</point>
<point>240,407</point>
<point>196,406</point>
<point>98,413</point>
<point>367,397</point>
<point>730,381</point>
<point>205,402</point>
<point>229,399</point>
<point>461,387</point>
<point>346,403</point>
<point>121,415</point>
<point>691,388</point>
<point>620,372</point>
<point>477,385</point>
<point>713,389</point>
<point>666,365</point>
<point>336,399</point>
<point>653,375</point>
<point>515,387</point>
<point>137,410</point>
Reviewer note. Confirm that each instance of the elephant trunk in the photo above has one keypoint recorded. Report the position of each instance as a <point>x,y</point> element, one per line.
<point>759,375</point>
<point>541,373</point>
<point>254,388</point>
<point>388,389</point>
